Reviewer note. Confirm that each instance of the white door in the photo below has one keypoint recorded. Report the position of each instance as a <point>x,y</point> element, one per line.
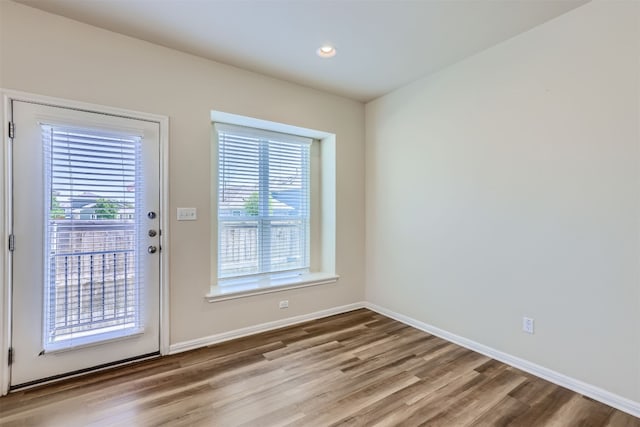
<point>85,288</point>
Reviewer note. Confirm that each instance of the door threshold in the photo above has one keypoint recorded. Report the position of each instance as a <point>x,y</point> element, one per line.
<point>81,372</point>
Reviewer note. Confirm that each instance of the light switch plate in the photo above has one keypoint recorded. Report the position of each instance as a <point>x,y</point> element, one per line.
<point>187,214</point>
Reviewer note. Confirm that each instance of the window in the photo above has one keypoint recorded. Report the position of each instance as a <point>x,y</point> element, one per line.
<point>263,203</point>
<point>274,198</point>
<point>93,287</point>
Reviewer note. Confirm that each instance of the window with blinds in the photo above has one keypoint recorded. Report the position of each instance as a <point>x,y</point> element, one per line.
<point>93,186</point>
<point>263,202</point>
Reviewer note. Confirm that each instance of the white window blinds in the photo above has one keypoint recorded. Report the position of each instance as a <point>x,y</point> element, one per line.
<point>263,202</point>
<point>93,186</point>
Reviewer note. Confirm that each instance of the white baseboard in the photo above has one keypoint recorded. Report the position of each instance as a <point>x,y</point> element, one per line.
<point>596,393</point>
<point>263,327</point>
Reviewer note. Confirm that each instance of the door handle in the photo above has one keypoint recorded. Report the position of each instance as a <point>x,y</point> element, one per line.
<point>152,249</point>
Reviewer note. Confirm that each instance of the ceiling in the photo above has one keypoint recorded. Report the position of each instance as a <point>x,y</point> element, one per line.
<point>381,44</point>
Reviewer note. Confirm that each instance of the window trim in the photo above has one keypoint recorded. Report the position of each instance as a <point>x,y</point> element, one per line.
<point>323,251</point>
<point>267,284</point>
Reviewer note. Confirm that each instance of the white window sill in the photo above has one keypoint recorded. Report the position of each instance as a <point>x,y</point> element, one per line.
<point>267,285</point>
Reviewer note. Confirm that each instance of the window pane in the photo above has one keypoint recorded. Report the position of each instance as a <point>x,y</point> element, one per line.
<point>263,202</point>
<point>288,241</point>
<point>92,185</point>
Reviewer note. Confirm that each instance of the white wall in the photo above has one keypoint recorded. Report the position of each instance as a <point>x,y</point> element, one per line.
<point>50,55</point>
<point>508,185</point>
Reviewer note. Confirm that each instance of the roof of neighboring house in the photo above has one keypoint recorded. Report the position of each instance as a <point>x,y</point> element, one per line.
<point>234,197</point>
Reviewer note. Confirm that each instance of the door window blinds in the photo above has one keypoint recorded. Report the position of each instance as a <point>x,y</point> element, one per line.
<point>263,202</point>
<point>93,186</point>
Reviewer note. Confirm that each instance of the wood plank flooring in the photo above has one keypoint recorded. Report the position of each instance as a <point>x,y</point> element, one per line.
<point>353,369</point>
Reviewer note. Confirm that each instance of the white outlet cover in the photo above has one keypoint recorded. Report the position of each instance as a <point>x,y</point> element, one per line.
<point>527,325</point>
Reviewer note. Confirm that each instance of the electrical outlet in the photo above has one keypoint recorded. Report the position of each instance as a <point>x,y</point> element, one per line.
<point>284,303</point>
<point>527,325</point>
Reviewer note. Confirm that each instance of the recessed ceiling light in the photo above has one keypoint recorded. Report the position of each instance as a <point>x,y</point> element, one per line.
<point>326,51</point>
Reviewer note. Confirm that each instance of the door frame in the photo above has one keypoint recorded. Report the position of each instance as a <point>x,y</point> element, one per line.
<point>6,210</point>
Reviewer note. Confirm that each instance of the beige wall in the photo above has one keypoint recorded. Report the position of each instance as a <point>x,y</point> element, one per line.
<point>49,55</point>
<point>508,185</point>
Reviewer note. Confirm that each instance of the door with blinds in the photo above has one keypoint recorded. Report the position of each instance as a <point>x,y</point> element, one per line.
<point>85,245</point>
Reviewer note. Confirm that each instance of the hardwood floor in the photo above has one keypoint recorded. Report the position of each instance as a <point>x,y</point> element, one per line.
<point>353,369</point>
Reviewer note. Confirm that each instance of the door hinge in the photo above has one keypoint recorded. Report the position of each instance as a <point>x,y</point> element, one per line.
<point>12,130</point>
<point>10,357</point>
<point>12,242</point>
